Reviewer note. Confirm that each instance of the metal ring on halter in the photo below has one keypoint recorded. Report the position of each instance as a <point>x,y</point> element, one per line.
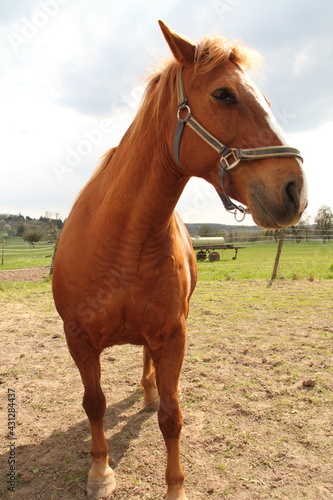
<point>243,211</point>
<point>182,109</point>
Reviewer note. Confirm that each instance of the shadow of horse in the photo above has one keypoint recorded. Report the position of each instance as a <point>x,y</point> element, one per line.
<point>57,467</point>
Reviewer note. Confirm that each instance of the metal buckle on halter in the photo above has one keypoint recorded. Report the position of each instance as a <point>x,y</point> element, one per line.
<point>225,159</point>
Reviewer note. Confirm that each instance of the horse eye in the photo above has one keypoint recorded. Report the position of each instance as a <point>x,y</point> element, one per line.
<point>224,96</point>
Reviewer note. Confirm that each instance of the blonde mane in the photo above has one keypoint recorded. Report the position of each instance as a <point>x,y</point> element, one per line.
<point>210,53</point>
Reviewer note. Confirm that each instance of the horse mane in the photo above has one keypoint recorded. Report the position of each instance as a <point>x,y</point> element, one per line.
<point>210,53</point>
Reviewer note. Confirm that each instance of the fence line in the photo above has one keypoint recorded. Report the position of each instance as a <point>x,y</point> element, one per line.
<point>269,239</point>
<point>302,262</point>
<point>28,251</point>
<point>24,251</point>
<point>306,256</point>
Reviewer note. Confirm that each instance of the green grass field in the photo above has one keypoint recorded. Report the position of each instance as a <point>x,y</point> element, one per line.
<point>312,260</point>
<point>20,254</point>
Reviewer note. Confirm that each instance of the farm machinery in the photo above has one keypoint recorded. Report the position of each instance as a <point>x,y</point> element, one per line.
<point>206,247</point>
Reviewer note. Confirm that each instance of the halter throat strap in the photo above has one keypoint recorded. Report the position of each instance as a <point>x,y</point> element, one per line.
<point>230,157</point>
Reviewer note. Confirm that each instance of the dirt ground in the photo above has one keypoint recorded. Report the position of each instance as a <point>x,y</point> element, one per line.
<point>25,275</point>
<point>256,398</point>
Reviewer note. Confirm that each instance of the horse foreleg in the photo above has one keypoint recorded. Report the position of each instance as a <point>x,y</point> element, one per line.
<point>101,480</point>
<point>168,364</point>
<point>148,382</point>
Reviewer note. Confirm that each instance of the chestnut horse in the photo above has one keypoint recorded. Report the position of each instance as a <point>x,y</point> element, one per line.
<point>124,269</point>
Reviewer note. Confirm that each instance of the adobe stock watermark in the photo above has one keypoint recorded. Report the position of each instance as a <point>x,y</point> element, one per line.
<point>30,27</point>
<point>284,118</point>
<point>122,111</point>
<point>201,199</point>
<point>75,154</point>
<point>12,437</point>
<point>87,310</point>
<point>225,7</point>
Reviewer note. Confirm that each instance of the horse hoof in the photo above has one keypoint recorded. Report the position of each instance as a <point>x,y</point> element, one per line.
<point>152,406</point>
<point>176,494</point>
<point>101,487</point>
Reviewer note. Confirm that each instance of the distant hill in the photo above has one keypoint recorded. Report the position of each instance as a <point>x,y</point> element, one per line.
<point>211,229</point>
<point>47,227</point>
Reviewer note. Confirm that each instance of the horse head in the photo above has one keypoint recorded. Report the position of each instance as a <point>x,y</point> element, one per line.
<point>224,107</point>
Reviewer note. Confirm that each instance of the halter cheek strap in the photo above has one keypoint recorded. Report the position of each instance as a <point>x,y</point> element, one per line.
<point>230,157</point>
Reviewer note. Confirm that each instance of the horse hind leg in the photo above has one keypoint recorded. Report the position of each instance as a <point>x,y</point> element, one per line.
<point>148,382</point>
<point>101,480</point>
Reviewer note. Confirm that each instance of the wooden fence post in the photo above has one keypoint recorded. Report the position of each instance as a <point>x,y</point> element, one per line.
<point>53,255</point>
<point>3,251</point>
<point>278,253</point>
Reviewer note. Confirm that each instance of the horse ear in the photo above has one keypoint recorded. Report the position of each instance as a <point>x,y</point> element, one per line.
<point>182,49</point>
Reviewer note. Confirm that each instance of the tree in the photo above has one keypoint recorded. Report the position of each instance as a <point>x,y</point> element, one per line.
<point>275,233</point>
<point>300,230</point>
<point>33,237</point>
<point>20,229</point>
<point>8,228</point>
<point>204,230</point>
<point>53,226</point>
<point>324,222</point>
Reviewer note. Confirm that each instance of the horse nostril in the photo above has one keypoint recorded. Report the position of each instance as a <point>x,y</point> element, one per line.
<point>293,193</point>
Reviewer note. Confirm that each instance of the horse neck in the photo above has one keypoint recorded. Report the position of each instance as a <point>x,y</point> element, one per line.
<point>143,187</point>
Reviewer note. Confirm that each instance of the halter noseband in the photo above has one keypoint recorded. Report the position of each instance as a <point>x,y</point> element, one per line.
<point>230,157</point>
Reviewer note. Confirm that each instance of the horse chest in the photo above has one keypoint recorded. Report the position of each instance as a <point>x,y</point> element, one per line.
<point>144,306</point>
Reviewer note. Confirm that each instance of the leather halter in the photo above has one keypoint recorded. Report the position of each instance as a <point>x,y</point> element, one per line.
<point>230,157</point>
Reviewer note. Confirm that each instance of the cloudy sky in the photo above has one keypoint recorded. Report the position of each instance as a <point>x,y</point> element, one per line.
<point>71,83</point>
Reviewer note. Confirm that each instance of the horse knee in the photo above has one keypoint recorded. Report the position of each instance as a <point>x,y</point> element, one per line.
<point>94,404</point>
<point>170,418</point>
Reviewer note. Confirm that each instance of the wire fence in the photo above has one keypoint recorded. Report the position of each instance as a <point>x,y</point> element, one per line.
<point>235,235</point>
<point>27,251</point>
<point>307,258</point>
<point>25,254</point>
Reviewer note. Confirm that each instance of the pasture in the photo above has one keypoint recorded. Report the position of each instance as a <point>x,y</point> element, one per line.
<point>17,254</point>
<point>256,391</point>
<point>311,259</point>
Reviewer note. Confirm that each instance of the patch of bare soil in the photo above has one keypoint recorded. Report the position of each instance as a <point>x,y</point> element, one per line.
<point>256,399</point>
<point>30,274</point>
